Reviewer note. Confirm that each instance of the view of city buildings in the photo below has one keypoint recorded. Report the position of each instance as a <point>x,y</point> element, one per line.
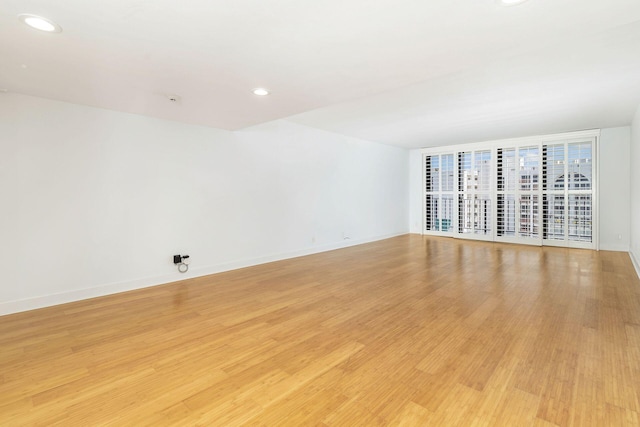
<point>539,191</point>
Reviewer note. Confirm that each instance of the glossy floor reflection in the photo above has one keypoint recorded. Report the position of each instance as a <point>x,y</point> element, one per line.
<point>406,331</point>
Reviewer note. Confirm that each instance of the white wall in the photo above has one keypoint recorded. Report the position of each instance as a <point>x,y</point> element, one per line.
<point>95,201</point>
<point>615,189</point>
<point>635,190</point>
<point>416,192</point>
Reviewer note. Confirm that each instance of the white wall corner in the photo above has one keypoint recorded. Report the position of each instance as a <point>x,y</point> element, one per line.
<point>635,262</point>
<point>416,194</point>
<point>634,192</point>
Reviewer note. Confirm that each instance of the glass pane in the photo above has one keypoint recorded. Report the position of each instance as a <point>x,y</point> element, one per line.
<point>466,179</point>
<point>427,174</point>
<point>435,173</point>
<point>447,172</point>
<point>580,166</point>
<point>529,159</point>
<point>432,173</point>
<point>465,214</point>
<point>554,216</point>
<point>482,170</point>
<point>506,222</point>
<point>439,212</point>
<point>445,213</point>
<point>431,213</point>
<point>554,167</point>
<point>482,214</point>
<point>579,217</point>
<point>506,169</point>
<point>529,216</point>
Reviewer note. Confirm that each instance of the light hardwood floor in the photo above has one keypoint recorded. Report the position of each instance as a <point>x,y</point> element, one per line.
<point>407,331</point>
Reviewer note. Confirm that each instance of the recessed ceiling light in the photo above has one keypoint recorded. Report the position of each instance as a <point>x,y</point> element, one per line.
<point>40,23</point>
<point>260,91</point>
<point>510,2</point>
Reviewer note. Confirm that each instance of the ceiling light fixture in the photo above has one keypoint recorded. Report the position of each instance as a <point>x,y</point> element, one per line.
<point>510,2</point>
<point>260,91</point>
<point>40,23</point>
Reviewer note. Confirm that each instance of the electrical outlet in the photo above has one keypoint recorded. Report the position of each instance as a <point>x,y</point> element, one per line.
<point>182,262</point>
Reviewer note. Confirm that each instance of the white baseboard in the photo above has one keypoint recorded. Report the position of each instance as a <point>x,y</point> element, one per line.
<point>636,264</point>
<point>17,306</point>
<point>614,247</point>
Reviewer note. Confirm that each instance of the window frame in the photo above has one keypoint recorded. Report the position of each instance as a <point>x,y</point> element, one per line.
<point>539,141</point>
<point>438,193</point>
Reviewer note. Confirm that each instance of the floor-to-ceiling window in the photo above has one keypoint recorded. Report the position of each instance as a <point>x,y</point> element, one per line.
<point>568,194</point>
<point>532,190</point>
<point>439,193</point>
<point>474,194</point>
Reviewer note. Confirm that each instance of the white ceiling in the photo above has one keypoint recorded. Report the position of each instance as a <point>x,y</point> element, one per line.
<point>409,73</point>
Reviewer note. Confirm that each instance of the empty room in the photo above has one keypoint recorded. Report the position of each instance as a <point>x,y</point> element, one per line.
<point>338,213</point>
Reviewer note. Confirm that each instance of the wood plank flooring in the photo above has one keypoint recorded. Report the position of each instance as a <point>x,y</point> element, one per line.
<point>409,331</point>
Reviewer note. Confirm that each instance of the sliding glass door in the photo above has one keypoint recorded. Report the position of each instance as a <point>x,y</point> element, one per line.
<point>439,194</point>
<point>474,194</point>
<point>518,194</point>
<point>568,194</point>
<point>520,191</point>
